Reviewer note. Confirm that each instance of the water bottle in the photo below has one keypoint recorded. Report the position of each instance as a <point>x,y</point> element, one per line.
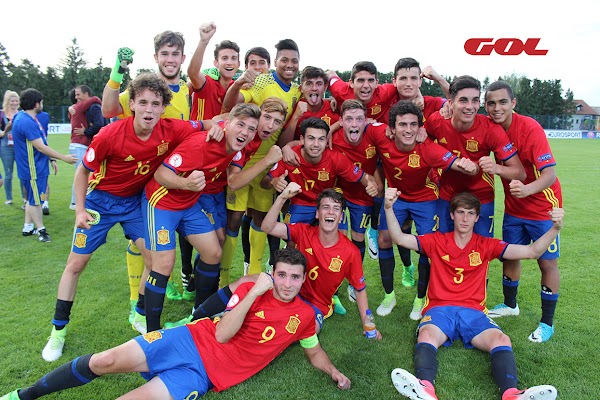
<point>369,325</point>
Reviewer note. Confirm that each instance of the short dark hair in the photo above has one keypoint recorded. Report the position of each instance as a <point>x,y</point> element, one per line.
<point>463,82</point>
<point>286,44</point>
<point>406,63</point>
<point>29,98</point>
<point>226,44</point>
<point>466,200</point>
<point>259,51</point>
<point>72,96</point>
<point>360,66</point>
<point>150,81</point>
<point>168,38</point>
<point>498,85</point>
<point>311,72</point>
<point>289,255</point>
<point>404,107</point>
<point>315,123</point>
<point>85,89</point>
<point>332,194</point>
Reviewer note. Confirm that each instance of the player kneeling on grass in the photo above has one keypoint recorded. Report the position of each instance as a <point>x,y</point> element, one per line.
<point>187,361</point>
<point>455,306</point>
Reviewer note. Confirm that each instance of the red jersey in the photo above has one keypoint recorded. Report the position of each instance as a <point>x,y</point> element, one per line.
<point>208,100</point>
<point>122,163</point>
<point>529,138</point>
<point>410,171</point>
<point>325,113</point>
<point>194,153</point>
<point>314,178</point>
<point>384,96</point>
<point>326,268</point>
<point>432,105</point>
<point>458,276</point>
<point>269,328</point>
<point>483,138</point>
<point>363,156</point>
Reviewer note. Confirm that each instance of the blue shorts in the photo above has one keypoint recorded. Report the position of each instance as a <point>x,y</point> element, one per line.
<point>524,231</point>
<point>108,209</point>
<point>360,217</point>
<point>171,354</point>
<point>36,190</point>
<point>161,225</point>
<point>458,323</point>
<point>319,317</point>
<point>484,226</point>
<point>215,209</point>
<point>298,213</point>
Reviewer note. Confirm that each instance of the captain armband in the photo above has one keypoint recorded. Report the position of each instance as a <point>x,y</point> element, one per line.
<point>309,342</point>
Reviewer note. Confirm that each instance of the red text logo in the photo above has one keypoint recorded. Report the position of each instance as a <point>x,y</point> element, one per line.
<point>503,47</point>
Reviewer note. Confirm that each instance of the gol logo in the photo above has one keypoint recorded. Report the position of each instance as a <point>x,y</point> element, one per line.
<point>503,47</point>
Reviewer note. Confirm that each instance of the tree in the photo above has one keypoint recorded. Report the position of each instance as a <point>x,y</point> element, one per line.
<point>71,65</point>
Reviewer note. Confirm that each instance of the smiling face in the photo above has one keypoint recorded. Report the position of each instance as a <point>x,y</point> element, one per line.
<point>407,82</point>
<point>353,123</point>
<point>227,62</point>
<point>499,106</point>
<point>364,84</point>
<point>169,60</point>
<point>147,109</point>
<point>269,123</point>
<point>13,103</point>
<point>329,213</point>
<point>239,132</point>
<point>465,106</point>
<point>287,64</point>
<point>258,63</point>
<point>405,131</point>
<point>287,281</point>
<point>314,142</point>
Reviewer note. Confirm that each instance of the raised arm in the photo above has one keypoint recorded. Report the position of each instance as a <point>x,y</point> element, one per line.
<point>110,96</point>
<point>398,237</point>
<point>233,95</point>
<point>537,248</point>
<point>429,73</point>
<point>270,225</point>
<point>194,70</point>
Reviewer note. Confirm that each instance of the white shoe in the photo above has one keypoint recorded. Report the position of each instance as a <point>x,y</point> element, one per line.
<point>139,323</point>
<point>541,392</point>
<point>387,305</point>
<point>54,348</point>
<point>502,310</point>
<point>411,387</point>
<point>418,304</point>
<point>351,294</point>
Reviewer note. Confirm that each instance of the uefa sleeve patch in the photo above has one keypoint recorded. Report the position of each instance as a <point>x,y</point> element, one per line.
<point>175,160</point>
<point>233,301</point>
<point>90,155</point>
<point>238,156</point>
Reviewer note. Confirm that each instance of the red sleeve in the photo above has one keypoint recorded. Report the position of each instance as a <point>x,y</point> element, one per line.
<point>238,295</point>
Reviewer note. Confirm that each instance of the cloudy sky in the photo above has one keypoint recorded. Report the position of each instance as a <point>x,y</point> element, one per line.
<point>331,34</point>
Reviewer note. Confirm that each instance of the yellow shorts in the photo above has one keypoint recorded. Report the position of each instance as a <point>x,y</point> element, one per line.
<point>251,196</point>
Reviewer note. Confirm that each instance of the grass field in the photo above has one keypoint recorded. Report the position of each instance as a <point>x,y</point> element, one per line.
<point>30,272</point>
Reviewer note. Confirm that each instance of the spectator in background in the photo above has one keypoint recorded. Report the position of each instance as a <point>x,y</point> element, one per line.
<point>10,107</point>
<point>86,120</point>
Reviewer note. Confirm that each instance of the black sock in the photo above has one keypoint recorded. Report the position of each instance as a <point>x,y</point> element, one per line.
<point>504,368</point>
<point>274,243</point>
<point>140,307</point>
<point>187,251</point>
<point>361,247</point>
<point>156,286</point>
<point>510,289</point>
<point>215,304</point>
<point>423,282</point>
<point>377,202</point>
<point>246,237</point>
<point>386,267</point>
<point>206,277</point>
<point>62,314</point>
<point>426,364</point>
<point>549,301</point>
<point>404,256</point>
<point>72,374</point>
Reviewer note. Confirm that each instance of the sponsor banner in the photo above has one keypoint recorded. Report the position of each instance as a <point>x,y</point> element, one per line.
<point>556,134</point>
<point>59,128</point>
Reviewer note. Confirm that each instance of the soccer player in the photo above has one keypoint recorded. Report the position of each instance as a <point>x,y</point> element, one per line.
<point>208,93</point>
<point>473,136</point>
<point>455,306</point>
<point>188,361</point>
<point>121,159</point>
<point>33,157</point>
<point>526,206</point>
<point>407,165</point>
<point>319,169</point>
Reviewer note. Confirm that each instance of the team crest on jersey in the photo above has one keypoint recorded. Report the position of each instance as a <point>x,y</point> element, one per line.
<point>446,258</point>
<point>475,259</point>
<point>327,119</point>
<point>472,145</point>
<point>90,155</point>
<point>323,175</point>
<point>231,198</point>
<point>162,148</point>
<point>296,171</point>
<point>309,251</point>
<point>233,301</point>
<point>152,336</point>
<point>175,160</point>
<point>260,314</point>
<point>292,325</point>
<point>370,152</point>
<point>376,109</point>
<point>162,237</point>
<point>414,160</point>
<point>80,240</point>
<point>336,264</point>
